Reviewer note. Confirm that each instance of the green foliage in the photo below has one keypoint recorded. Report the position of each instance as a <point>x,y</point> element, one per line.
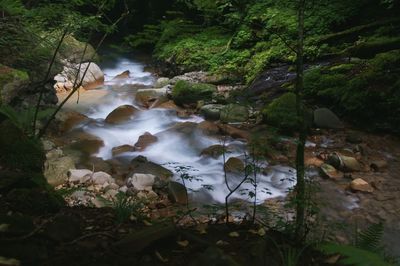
<point>281,113</point>
<point>354,256</point>
<point>125,207</point>
<point>189,93</point>
<point>370,238</point>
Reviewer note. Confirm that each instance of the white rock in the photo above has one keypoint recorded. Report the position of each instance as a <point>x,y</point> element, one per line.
<point>111,193</point>
<point>123,189</point>
<point>99,178</point>
<point>79,175</point>
<point>142,181</point>
<point>150,195</point>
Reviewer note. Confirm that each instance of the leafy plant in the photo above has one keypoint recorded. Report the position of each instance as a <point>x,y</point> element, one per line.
<point>125,207</point>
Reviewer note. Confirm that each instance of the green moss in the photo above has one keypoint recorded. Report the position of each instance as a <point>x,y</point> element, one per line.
<point>189,93</point>
<point>281,113</point>
<point>10,75</point>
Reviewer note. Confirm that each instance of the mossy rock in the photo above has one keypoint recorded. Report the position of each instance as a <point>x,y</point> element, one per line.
<point>186,93</point>
<point>18,151</point>
<point>72,50</point>
<point>281,113</point>
<point>234,113</point>
<point>11,82</point>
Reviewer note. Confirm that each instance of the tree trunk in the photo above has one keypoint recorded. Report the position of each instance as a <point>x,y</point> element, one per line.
<point>300,186</point>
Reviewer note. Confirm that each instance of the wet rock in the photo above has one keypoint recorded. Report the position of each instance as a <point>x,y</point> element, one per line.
<point>209,128</point>
<point>329,171</point>
<point>325,118</point>
<point>140,164</point>
<point>361,185</point>
<point>188,94</point>
<point>344,163</point>
<point>121,114</point>
<point>314,161</point>
<point>122,149</point>
<point>70,119</point>
<point>72,50</point>
<point>379,165</point>
<point>79,175</point>
<point>91,73</point>
<point>123,75</point>
<point>99,178</point>
<point>86,143</point>
<point>142,181</point>
<point>234,113</point>
<point>56,170</point>
<point>211,111</point>
<point>213,151</point>
<point>146,97</point>
<point>144,141</point>
<point>162,82</point>
<point>177,193</point>
<point>234,132</point>
<point>169,104</point>
<point>234,165</point>
<point>98,164</point>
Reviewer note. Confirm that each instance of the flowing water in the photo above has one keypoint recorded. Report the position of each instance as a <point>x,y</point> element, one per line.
<point>175,150</point>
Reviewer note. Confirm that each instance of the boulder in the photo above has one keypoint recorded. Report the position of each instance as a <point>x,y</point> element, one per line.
<point>122,149</point>
<point>234,165</point>
<point>325,118</point>
<point>100,178</point>
<point>186,93</point>
<point>123,75</point>
<point>56,171</point>
<point>162,82</point>
<point>161,103</point>
<point>234,113</point>
<point>121,114</point>
<point>144,141</point>
<point>92,77</point>
<point>211,111</point>
<point>208,128</point>
<point>344,163</point>
<point>177,193</point>
<point>79,175</point>
<point>69,119</point>
<point>379,165</point>
<point>72,50</point>
<point>213,151</point>
<point>234,132</point>
<point>12,82</point>
<point>329,171</point>
<point>142,181</point>
<point>360,184</point>
<point>146,97</point>
<point>140,164</point>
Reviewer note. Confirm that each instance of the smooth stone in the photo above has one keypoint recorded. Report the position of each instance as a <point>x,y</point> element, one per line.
<point>177,192</point>
<point>142,181</point>
<point>79,175</point>
<point>99,178</point>
<point>122,149</point>
<point>234,165</point>
<point>147,97</point>
<point>162,82</point>
<point>213,151</point>
<point>123,75</point>
<point>144,141</point>
<point>209,128</point>
<point>234,113</point>
<point>360,184</point>
<point>56,170</point>
<point>211,111</point>
<point>121,114</point>
<point>325,118</point>
<point>329,171</point>
<point>379,165</point>
<point>140,164</point>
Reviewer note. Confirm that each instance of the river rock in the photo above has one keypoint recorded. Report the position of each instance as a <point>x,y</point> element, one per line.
<point>379,165</point>
<point>123,75</point>
<point>234,113</point>
<point>161,103</point>
<point>69,119</point>
<point>211,111</point>
<point>213,151</point>
<point>360,184</point>
<point>208,128</point>
<point>177,193</point>
<point>234,132</point>
<point>100,178</point>
<point>162,82</point>
<point>56,170</point>
<point>79,175</point>
<point>122,149</point>
<point>121,114</point>
<point>72,50</point>
<point>93,77</point>
<point>144,141</point>
<point>140,164</point>
<point>325,118</point>
<point>234,165</point>
<point>146,97</point>
<point>329,171</point>
<point>54,154</point>
<point>147,195</point>
<point>142,181</point>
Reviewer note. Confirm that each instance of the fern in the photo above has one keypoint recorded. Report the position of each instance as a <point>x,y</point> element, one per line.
<point>354,256</point>
<point>370,238</point>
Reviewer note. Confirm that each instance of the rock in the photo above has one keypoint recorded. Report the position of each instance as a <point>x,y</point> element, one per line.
<point>12,82</point>
<point>213,151</point>
<point>379,165</point>
<point>165,104</point>
<point>344,163</point>
<point>234,165</point>
<point>354,138</point>
<point>146,97</point>
<point>111,194</point>
<point>99,178</point>
<point>211,111</point>
<point>69,119</point>
<point>72,50</point>
<point>162,82</point>
<point>208,128</point>
<point>140,164</point>
<point>142,181</point>
<point>234,113</point>
<point>98,203</point>
<point>148,195</point>
<point>48,145</point>
<point>314,161</point>
<point>186,93</point>
<point>194,77</point>
<point>123,189</point>
<point>123,75</point>
<point>329,171</point>
<point>54,154</point>
<point>121,114</point>
<point>325,118</point>
<point>79,195</point>
<point>56,170</point>
<point>79,175</point>
<point>177,193</point>
<point>234,132</point>
<point>85,143</point>
<point>122,149</point>
<point>361,185</point>
<point>93,78</point>
<point>144,141</point>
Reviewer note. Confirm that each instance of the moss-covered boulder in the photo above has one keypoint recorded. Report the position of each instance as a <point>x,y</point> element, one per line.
<point>281,113</point>
<point>186,93</point>
<point>234,113</point>
<point>72,50</point>
<point>12,81</point>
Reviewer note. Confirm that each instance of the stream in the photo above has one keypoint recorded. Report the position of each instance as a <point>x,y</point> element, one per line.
<point>176,150</point>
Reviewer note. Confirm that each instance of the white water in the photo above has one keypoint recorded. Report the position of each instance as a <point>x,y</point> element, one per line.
<point>175,149</point>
